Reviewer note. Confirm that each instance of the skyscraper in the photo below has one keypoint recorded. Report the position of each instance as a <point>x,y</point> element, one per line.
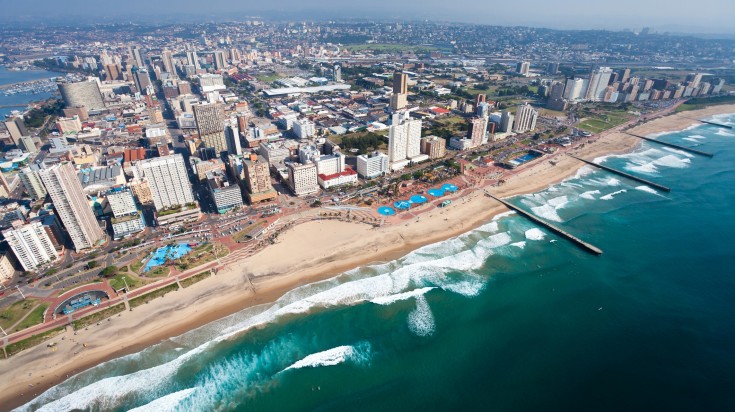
<point>192,59</point>
<point>138,57</point>
<point>210,124</point>
<point>17,128</point>
<point>404,139</point>
<point>399,99</point>
<point>168,181</point>
<point>477,130</point>
<point>141,79</point>
<point>599,80</point>
<point>31,245</point>
<point>219,60</point>
<point>525,119</point>
<point>71,205</point>
<point>32,183</point>
<point>522,68</point>
<point>168,63</point>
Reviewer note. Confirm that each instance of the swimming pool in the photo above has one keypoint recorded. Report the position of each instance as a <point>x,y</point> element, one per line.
<point>386,211</point>
<point>525,158</point>
<point>402,205</point>
<point>448,187</point>
<point>418,199</point>
<point>438,192</point>
<point>162,254</point>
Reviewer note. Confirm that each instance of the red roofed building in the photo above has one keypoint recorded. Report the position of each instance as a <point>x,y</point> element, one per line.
<point>349,176</point>
<point>134,155</point>
<point>438,111</point>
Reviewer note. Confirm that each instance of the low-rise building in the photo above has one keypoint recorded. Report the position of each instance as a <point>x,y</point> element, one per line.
<point>346,177</point>
<point>126,218</point>
<point>226,196</point>
<point>433,146</point>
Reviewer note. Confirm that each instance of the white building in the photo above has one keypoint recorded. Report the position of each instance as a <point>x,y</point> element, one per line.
<point>126,219</point>
<point>304,128</point>
<point>211,82</point>
<point>598,83</point>
<point>6,268</point>
<point>372,165</point>
<point>525,119</point>
<point>346,177</point>
<point>71,205</point>
<point>404,140</point>
<point>330,164</point>
<point>168,181</point>
<point>302,178</point>
<point>30,245</point>
<point>575,89</point>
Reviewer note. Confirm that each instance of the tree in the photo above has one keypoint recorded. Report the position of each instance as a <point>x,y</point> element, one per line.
<point>92,264</point>
<point>109,271</point>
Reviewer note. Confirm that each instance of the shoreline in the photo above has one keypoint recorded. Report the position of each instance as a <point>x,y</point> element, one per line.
<point>227,293</point>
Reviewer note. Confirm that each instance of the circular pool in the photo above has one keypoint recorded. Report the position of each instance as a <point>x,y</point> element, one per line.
<point>386,211</point>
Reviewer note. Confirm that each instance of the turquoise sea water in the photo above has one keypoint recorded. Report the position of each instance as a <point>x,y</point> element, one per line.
<point>507,317</point>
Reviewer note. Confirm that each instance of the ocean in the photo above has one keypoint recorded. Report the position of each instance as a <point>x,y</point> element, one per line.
<point>19,101</point>
<point>507,317</point>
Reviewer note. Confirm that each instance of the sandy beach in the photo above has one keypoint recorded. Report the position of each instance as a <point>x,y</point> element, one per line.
<point>305,253</point>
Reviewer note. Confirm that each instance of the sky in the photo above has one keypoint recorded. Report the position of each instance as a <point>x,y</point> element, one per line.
<point>701,16</point>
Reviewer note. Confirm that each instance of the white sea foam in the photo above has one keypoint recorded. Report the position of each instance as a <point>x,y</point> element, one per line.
<point>723,132</point>
<point>613,194</point>
<point>612,182</point>
<point>504,214</point>
<point>329,357</point>
<point>390,299</point>
<point>589,194</point>
<point>535,234</point>
<point>679,152</point>
<point>690,139</point>
<point>519,245</point>
<point>648,189</point>
<point>583,171</point>
<point>647,168</point>
<point>421,320</point>
<point>547,212</point>
<point>170,402</point>
<point>673,162</point>
<point>558,202</point>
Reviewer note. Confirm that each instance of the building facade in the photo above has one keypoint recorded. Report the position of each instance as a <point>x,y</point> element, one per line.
<point>30,245</point>
<point>168,181</point>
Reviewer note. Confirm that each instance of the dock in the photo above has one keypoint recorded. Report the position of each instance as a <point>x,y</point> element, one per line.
<point>578,242</point>
<point>724,126</point>
<point>675,146</point>
<point>621,173</point>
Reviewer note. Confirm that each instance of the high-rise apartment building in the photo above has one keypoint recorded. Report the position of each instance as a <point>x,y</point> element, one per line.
<point>220,63</point>
<point>302,178</point>
<point>192,59</point>
<point>258,179</point>
<point>523,68</point>
<point>66,192</point>
<point>126,218</point>
<point>404,139</point>
<point>477,130</point>
<point>30,245</point>
<point>599,80</point>
<point>168,62</point>
<point>210,120</point>
<point>433,146</point>
<point>32,183</point>
<point>372,165</point>
<point>525,119</point>
<point>167,180</point>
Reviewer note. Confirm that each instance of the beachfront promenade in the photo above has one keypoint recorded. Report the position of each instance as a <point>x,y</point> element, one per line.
<point>474,179</point>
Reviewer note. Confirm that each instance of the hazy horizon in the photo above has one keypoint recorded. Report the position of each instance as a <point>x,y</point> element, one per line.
<point>713,16</point>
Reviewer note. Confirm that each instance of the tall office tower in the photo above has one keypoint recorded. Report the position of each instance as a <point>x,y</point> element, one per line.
<point>138,57</point>
<point>32,183</point>
<point>168,180</point>
<point>31,245</point>
<point>71,205</point>
<point>168,62</point>
<point>302,178</point>
<point>523,68</point>
<point>113,72</point>
<point>404,139</point>
<point>552,68</point>
<point>624,75</point>
<point>480,98</point>
<point>399,99</point>
<point>599,80</point>
<point>337,77</point>
<point>233,140</point>
<point>525,119</point>
<point>506,121</point>
<point>82,94</point>
<point>400,83</point>
<point>141,79</point>
<point>219,60</point>
<point>5,189</point>
<point>476,131</point>
<point>17,128</point>
<point>210,120</point>
<point>192,59</point>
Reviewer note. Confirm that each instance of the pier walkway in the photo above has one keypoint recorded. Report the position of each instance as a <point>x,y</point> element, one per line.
<point>675,146</point>
<point>587,247</point>
<point>621,173</point>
